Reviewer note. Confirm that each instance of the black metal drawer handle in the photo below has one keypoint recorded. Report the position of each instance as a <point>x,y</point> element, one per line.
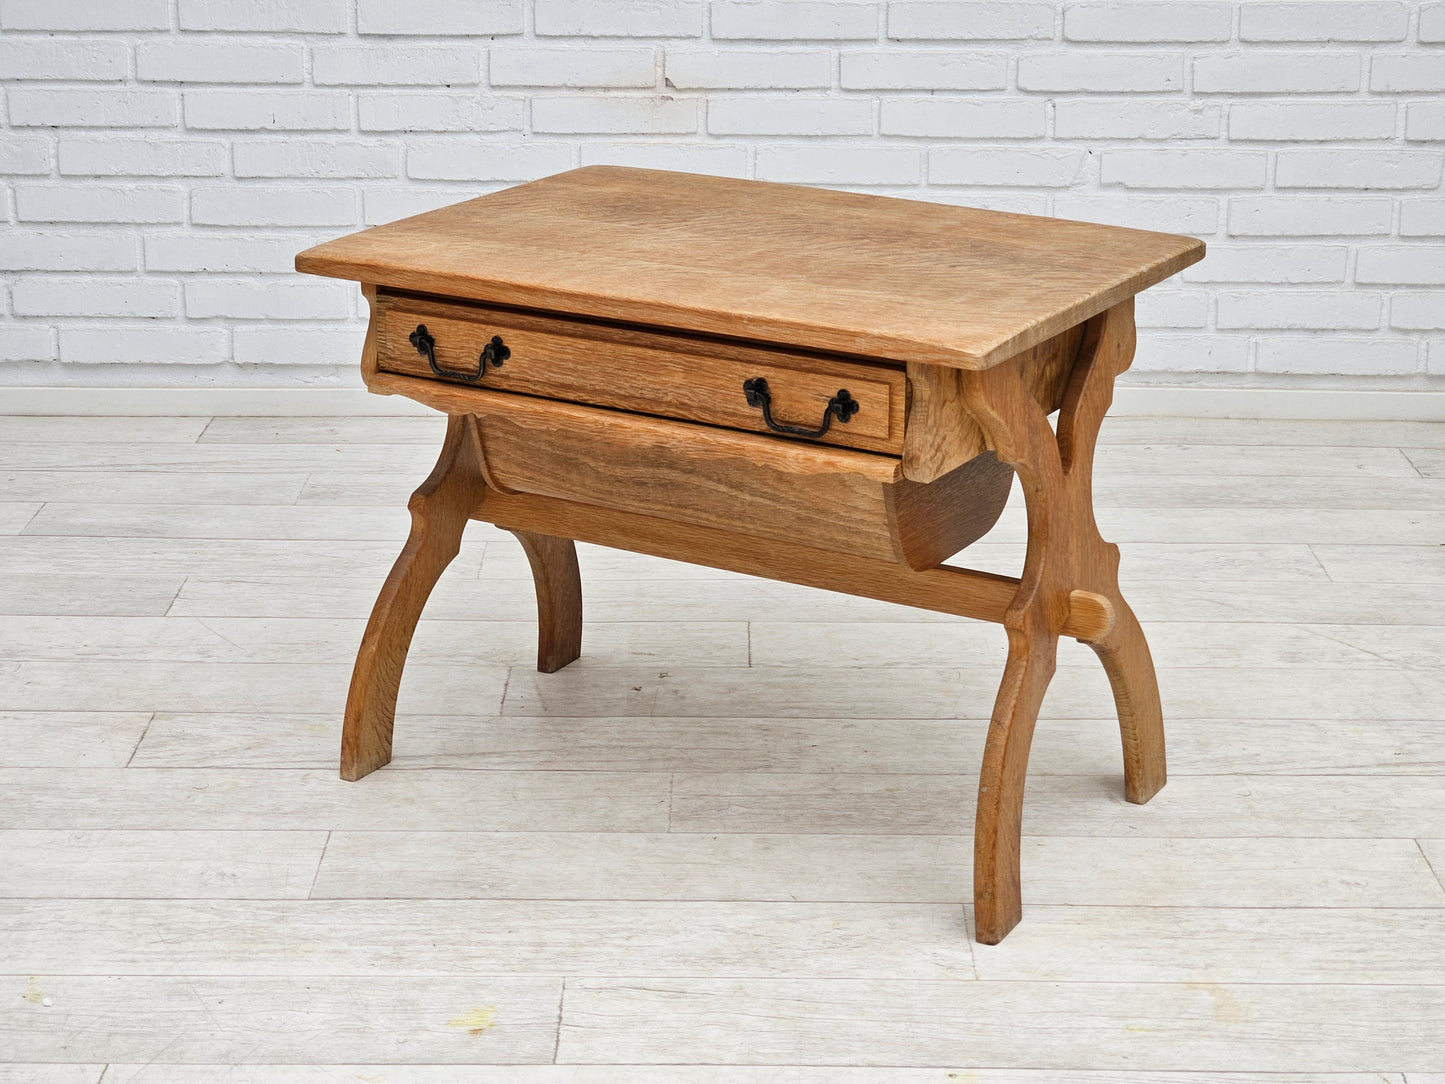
<point>842,406</point>
<point>495,352</point>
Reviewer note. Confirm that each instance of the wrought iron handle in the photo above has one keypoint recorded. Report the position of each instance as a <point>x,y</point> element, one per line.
<point>494,352</point>
<point>842,406</point>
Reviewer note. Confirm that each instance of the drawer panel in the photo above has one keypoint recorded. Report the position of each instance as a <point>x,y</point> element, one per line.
<point>835,499</point>
<point>675,376</point>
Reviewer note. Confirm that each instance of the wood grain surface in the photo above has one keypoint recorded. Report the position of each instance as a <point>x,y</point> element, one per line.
<point>858,274</point>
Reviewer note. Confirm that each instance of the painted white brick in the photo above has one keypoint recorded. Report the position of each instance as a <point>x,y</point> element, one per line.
<point>1331,20</point>
<point>315,158</point>
<point>94,108</point>
<point>652,115</point>
<point>163,344</point>
<point>949,20</point>
<point>1357,169</point>
<point>1171,309</point>
<point>59,250</point>
<point>718,159</point>
<point>1326,122</point>
<point>245,299</point>
<point>1413,265</point>
<point>975,118</point>
<point>1041,167</point>
<point>302,16</point>
<point>1413,72</point>
<point>26,155</point>
<point>794,20</point>
<point>387,204</point>
<point>447,160</point>
<point>85,15</point>
<point>1436,363</point>
<point>820,163</point>
<point>1136,119</point>
<point>1418,311</point>
<point>98,203</point>
<point>229,253</point>
<point>1211,353</point>
<point>789,116</point>
<point>1317,354</point>
<point>619,18</point>
<point>237,205</point>
<point>748,69</point>
<point>267,110</point>
<point>1092,72</point>
<point>1432,22</point>
<point>916,70</point>
<point>76,59</point>
<point>1298,310</point>
<point>131,156</point>
<point>1425,121</point>
<point>22,343</point>
<point>1194,215</point>
<point>1277,264</point>
<point>1139,20</point>
<point>1277,73</point>
<point>396,65</point>
<point>430,111</point>
<point>1187,168</point>
<point>74,295</point>
<point>1306,216</point>
<point>296,346</point>
<point>572,67</point>
<point>219,62</point>
<point>435,17</point>
<point>1422,218</point>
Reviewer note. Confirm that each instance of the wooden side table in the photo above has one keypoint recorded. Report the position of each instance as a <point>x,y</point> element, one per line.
<point>820,387</point>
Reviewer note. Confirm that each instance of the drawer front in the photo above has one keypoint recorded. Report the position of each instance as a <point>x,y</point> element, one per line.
<point>673,376</point>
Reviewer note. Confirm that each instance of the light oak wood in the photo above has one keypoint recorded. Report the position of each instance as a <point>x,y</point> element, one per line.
<point>809,268</point>
<point>439,511</point>
<point>678,376</point>
<point>559,598</point>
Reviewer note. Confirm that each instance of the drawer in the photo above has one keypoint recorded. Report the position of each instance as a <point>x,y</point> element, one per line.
<point>836,499</point>
<point>649,372</point>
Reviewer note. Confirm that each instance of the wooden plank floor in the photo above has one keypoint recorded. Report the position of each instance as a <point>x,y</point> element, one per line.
<point>728,846</point>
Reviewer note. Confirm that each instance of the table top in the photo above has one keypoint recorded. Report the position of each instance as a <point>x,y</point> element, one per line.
<point>841,271</point>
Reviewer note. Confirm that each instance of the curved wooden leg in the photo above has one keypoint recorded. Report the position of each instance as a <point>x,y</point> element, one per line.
<point>997,898</point>
<point>559,598</point>
<point>1125,655</point>
<point>440,509</point>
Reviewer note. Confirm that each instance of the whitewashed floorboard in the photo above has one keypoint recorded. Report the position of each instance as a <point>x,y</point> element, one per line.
<point>44,739</point>
<point>1123,871</point>
<point>215,1018</point>
<point>690,1074</point>
<point>302,688</point>
<point>1434,851</point>
<point>1164,460</point>
<point>426,429</point>
<point>343,938</point>
<point>175,864</point>
<point>145,487</point>
<point>220,521</point>
<point>731,744</point>
<point>1430,462</point>
<point>221,800</point>
<point>1383,564</point>
<point>1270,432</point>
<point>318,640</point>
<point>1193,1026</point>
<point>88,594</point>
<point>50,1074</point>
<point>968,692</point>
<point>176,458</point>
<point>1363,806</point>
<point>68,429</point>
<point>14,515</point>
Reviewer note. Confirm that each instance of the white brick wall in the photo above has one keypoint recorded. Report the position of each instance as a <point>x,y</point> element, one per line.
<point>162,161</point>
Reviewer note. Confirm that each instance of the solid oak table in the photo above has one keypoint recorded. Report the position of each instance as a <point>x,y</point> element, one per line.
<point>821,387</point>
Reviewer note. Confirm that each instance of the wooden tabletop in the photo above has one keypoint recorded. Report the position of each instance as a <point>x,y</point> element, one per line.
<point>892,278</point>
